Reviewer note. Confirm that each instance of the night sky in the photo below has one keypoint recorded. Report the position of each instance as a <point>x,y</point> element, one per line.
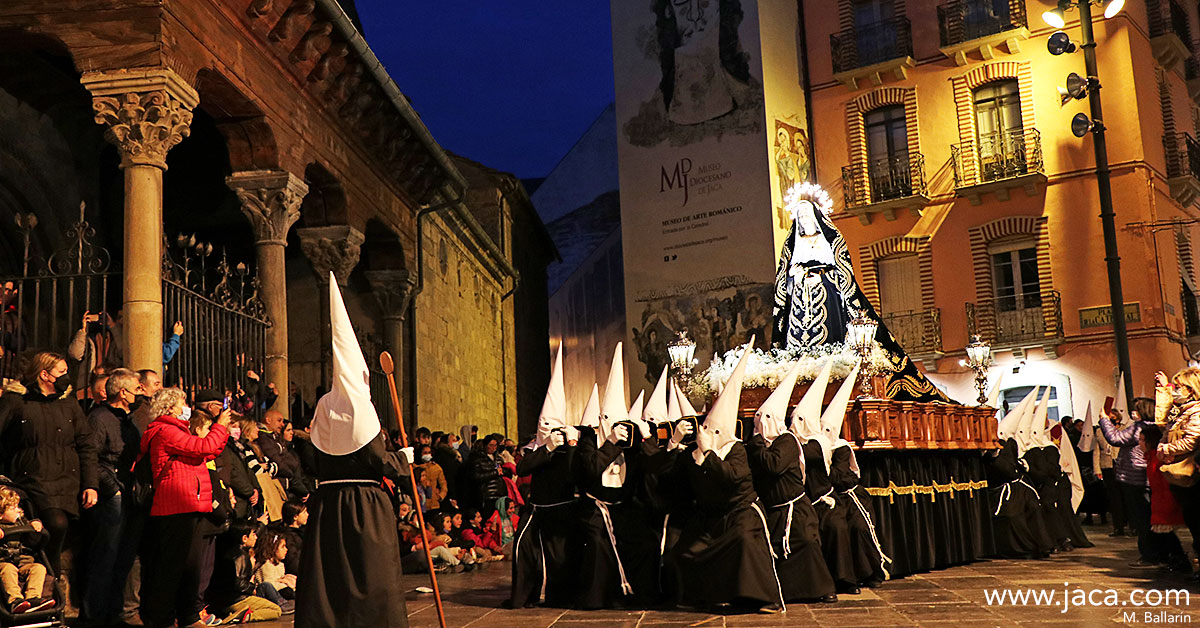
<point>508,83</point>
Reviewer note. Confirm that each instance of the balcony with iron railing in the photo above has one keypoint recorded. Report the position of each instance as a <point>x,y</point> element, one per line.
<point>918,332</point>
<point>884,186</point>
<point>998,162</point>
<point>1183,167</point>
<point>970,26</point>
<point>1191,71</point>
<point>1025,320</point>
<point>871,52</point>
<point>1170,32</point>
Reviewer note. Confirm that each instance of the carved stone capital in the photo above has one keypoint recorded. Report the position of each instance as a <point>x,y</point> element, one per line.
<point>333,249</point>
<point>270,200</point>
<point>146,112</point>
<point>393,289</point>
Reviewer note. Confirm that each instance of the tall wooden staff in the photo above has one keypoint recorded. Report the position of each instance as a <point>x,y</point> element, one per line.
<point>389,368</point>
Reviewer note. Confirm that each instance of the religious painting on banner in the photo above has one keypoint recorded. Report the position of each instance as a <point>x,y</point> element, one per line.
<point>697,115</point>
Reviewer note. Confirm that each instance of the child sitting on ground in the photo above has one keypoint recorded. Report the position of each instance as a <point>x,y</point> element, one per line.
<point>21,538</point>
<point>295,517</point>
<point>485,545</point>
<point>451,535</point>
<point>502,529</point>
<point>232,587</point>
<point>271,579</point>
<point>444,558</point>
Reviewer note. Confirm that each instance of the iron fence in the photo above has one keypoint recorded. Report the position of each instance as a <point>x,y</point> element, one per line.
<point>884,179</point>
<point>916,331</point>
<point>964,20</point>
<point>71,303</point>
<point>1012,320</point>
<point>997,156</point>
<point>871,44</point>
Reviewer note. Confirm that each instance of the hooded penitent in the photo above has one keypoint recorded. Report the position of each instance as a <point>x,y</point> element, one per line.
<point>994,398</point>
<point>345,419</point>
<point>635,411</point>
<point>656,407</point>
<point>771,418</point>
<point>1070,465</point>
<point>554,408</point>
<point>806,417</point>
<point>721,422</point>
<point>674,412</point>
<point>591,410</point>
<point>1087,437</point>
<point>1039,429</point>
<point>1012,421</point>
<point>835,415</point>
<point>612,411</point>
<point>685,406</point>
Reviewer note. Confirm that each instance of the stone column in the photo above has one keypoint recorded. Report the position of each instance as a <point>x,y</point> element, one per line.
<point>270,199</point>
<point>333,249</point>
<point>393,289</point>
<point>146,112</point>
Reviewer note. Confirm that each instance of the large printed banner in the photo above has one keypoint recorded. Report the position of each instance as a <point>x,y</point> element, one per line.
<point>712,128</point>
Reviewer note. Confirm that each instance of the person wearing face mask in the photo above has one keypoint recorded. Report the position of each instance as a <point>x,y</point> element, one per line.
<point>236,474</point>
<point>433,475</point>
<point>46,444</point>
<point>115,524</point>
<point>183,497</point>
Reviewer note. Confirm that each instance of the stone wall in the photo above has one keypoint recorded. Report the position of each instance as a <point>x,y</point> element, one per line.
<point>464,334</point>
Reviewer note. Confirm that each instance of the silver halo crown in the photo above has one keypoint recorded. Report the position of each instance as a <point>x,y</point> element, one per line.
<point>806,191</point>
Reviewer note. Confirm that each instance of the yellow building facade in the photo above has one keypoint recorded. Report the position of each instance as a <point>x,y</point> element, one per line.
<point>973,207</point>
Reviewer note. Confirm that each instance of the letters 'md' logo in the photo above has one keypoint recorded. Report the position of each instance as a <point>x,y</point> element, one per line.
<point>676,179</point>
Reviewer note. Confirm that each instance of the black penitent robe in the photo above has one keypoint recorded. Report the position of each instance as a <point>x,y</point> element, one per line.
<point>1043,474</point>
<point>350,570</point>
<point>834,525</point>
<point>545,538</point>
<point>867,554</point>
<point>1020,531</point>
<point>794,530</point>
<point>1066,514</point>
<point>723,554</point>
<point>607,574</point>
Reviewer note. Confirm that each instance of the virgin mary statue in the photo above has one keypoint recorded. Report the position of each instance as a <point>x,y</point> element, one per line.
<point>816,294</point>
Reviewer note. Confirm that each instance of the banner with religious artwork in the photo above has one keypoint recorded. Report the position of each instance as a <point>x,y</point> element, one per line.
<point>704,162</point>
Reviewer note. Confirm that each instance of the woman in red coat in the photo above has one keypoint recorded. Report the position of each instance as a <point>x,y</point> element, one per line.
<point>1165,514</point>
<point>182,494</point>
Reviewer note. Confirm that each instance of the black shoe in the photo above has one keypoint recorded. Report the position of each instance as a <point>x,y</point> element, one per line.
<point>828,599</point>
<point>1117,533</point>
<point>770,609</point>
<point>507,604</point>
<point>1142,563</point>
<point>1066,546</point>
<point>872,583</point>
<point>850,590</point>
<point>18,606</point>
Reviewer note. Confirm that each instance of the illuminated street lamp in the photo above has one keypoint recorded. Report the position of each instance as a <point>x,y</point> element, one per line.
<point>979,357</point>
<point>860,335</point>
<point>1078,88</point>
<point>681,351</point>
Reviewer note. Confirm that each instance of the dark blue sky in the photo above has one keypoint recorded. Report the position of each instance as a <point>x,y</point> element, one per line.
<point>509,83</point>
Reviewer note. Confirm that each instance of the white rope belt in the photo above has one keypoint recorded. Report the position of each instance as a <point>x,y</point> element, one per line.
<point>1005,494</point>
<point>767,535</point>
<point>787,527</point>
<point>536,506</point>
<point>662,544</point>
<point>1035,493</point>
<point>883,558</point>
<point>612,537</point>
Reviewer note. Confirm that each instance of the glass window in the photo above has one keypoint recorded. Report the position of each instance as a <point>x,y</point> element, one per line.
<point>1015,275</point>
<point>887,153</point>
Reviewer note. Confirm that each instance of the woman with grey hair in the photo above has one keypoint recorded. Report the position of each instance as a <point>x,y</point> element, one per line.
<point>182,496</point>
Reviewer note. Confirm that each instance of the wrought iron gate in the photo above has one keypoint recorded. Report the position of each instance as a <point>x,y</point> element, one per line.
<point>217,302</point>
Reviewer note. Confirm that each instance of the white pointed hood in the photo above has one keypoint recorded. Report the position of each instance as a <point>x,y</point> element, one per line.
<point>635,411</point>
<point>771,418</point>
<point>591,410</point>
<point>345,419</point>
<point>806,416</point>
<point>1025,430</point>
<point>1040,429</point>
<point>656,407</point>
<point>1121,403</point>
<point>1087,435</point>
<point>835,415</point>
<point>721,422</point>
<point>674,412</point>
<point>554,408</point>
<point>1070,465</point>
<point>1011,421</point>
<point>685,406</point>
<point>613,409</point>
<point>994,398</point>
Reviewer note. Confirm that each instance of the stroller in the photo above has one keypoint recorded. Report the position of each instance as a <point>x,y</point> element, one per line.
<point>46,618</point>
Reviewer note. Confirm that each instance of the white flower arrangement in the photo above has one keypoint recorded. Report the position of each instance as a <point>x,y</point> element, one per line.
<point>767,369</point>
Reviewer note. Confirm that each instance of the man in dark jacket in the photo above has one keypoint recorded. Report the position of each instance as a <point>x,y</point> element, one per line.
<point>271,442</point>
<point>115,523</point>
<point>485,471</point>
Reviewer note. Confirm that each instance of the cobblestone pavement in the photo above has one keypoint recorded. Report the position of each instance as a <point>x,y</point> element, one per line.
<point>951,597</point>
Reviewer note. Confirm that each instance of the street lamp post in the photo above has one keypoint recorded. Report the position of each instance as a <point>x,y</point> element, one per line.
<point>1103,174</point>
<point>979,358</point>
<point>682,351</point>
<point>860,335</point>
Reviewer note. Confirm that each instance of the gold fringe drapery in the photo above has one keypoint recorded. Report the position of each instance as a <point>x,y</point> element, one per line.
<point>891,490</point>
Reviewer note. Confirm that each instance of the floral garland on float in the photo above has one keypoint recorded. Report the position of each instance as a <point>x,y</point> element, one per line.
<point>765,369</point>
